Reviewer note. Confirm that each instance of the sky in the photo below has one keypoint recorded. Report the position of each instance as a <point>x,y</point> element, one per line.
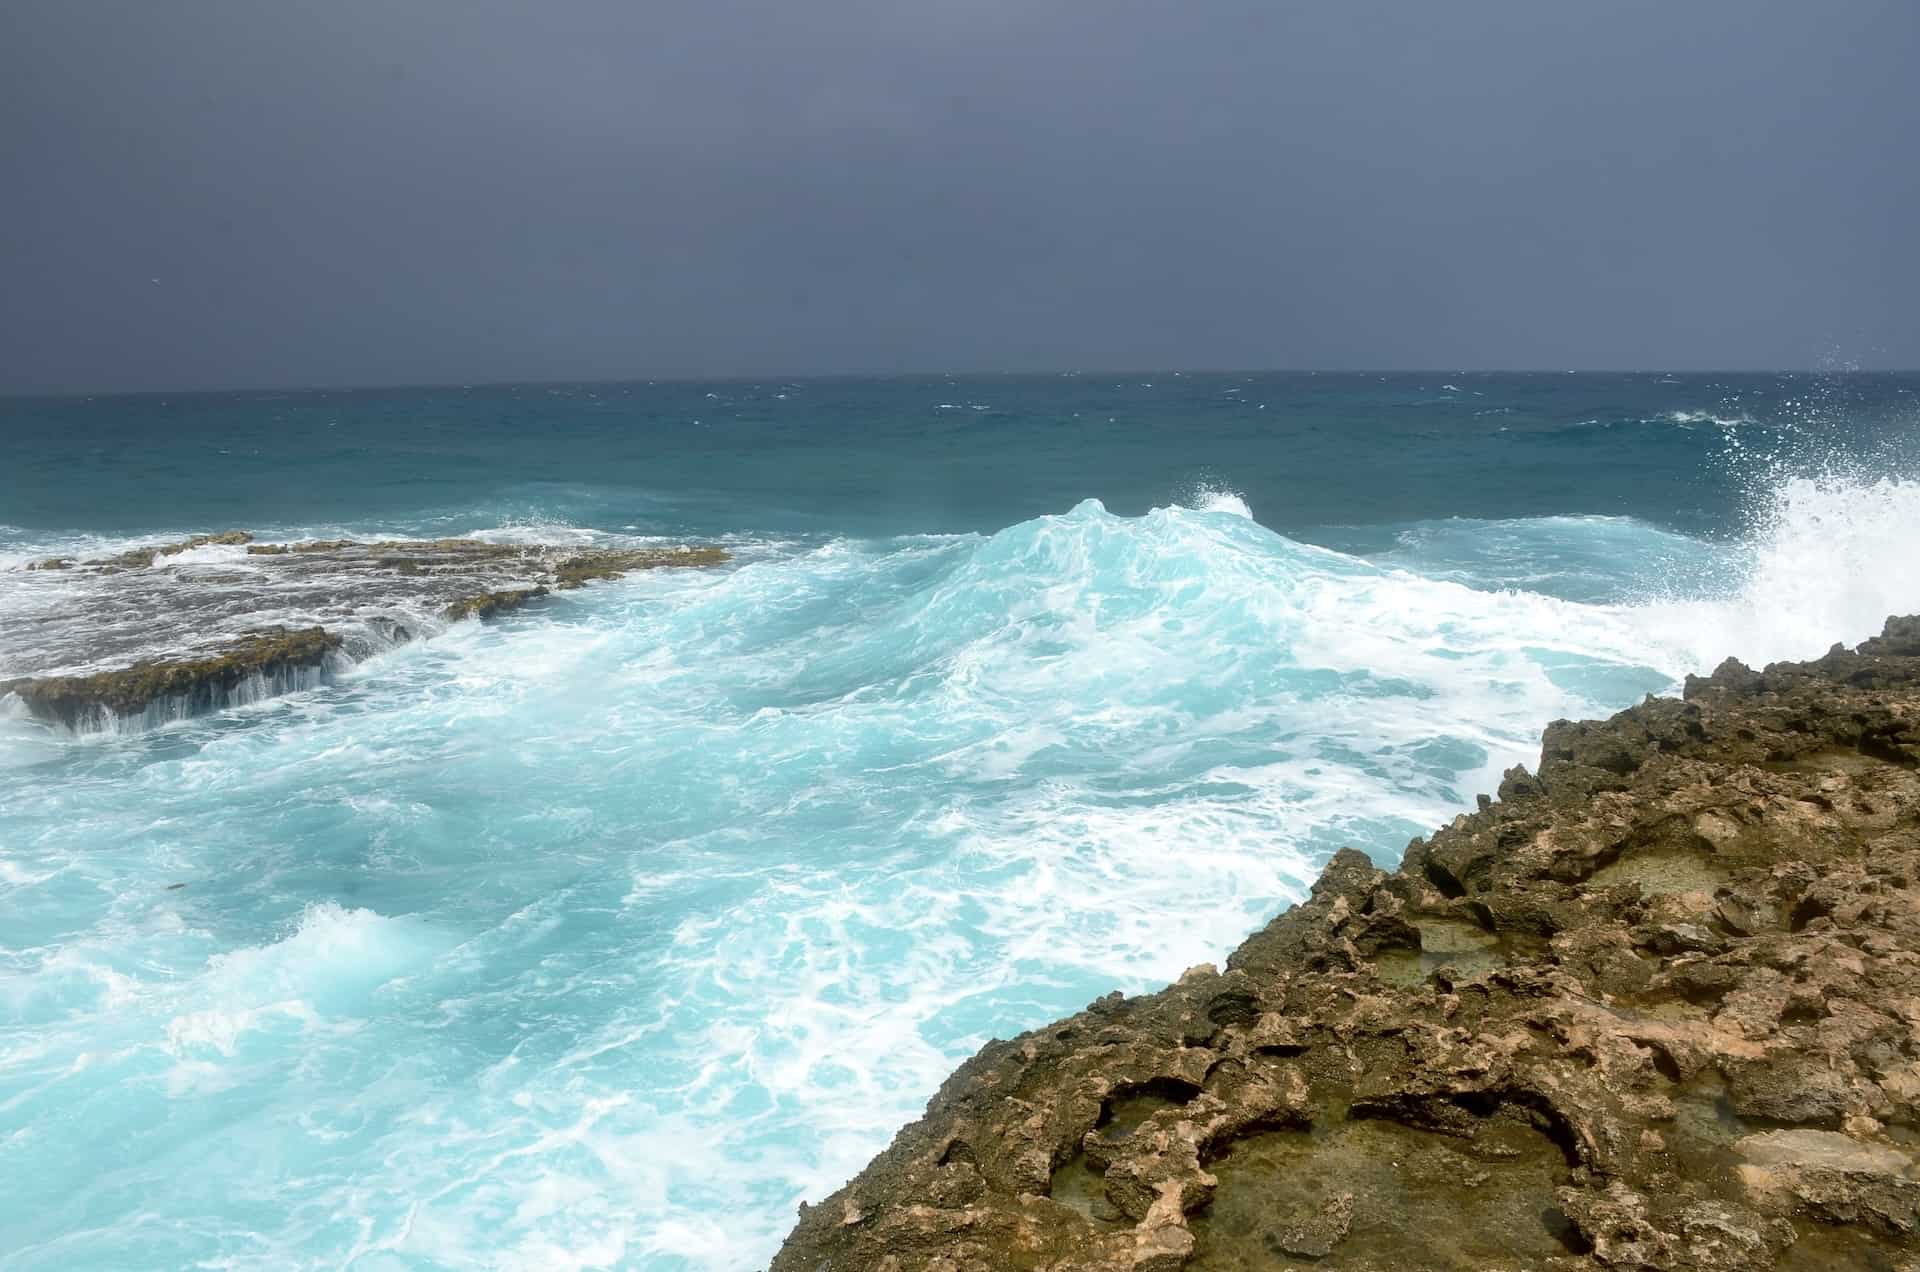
<point>231,193</point>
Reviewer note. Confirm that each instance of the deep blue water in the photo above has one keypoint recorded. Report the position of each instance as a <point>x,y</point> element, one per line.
<point>1316,455</point>
<point>601,936</point>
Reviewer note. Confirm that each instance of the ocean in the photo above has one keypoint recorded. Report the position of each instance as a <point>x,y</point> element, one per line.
<point>604,934</point>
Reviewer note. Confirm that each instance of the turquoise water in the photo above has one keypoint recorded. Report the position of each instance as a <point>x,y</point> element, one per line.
<point>603,935</point>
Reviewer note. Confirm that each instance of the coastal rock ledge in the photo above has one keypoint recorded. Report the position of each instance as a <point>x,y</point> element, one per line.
<point>158,633</point>
<point>1656,1007</point>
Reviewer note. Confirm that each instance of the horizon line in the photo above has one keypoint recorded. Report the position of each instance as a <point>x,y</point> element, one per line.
<point>401,386</point>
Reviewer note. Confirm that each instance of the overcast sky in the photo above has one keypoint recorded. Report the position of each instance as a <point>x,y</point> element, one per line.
<point>262,192</point>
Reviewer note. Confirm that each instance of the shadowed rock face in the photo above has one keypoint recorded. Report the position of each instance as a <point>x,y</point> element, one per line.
<point>169,630</point>
<point>1658,1007</point>
<point>193,686</point>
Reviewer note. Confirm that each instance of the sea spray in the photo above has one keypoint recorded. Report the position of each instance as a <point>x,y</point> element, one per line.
<point>602,935</point>
<point>1823,548</point>
<point>744,860</point>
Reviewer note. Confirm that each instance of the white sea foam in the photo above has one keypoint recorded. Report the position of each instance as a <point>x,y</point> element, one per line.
<point>1828,558</point>
<point>222,554</point>
<point>634,926</point>
<point>1226,501</point>
<point>1212,496</point>
<point>1689,418</point>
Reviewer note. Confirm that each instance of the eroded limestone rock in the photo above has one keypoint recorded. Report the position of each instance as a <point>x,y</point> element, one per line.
<point>1658,1007</point>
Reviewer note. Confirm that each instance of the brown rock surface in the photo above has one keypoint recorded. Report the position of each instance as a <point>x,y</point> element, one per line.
<point>1658,1007</point>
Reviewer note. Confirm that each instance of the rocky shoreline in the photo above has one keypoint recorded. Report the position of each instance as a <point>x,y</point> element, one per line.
<point>224,623</point>
<point>1656,1007</point>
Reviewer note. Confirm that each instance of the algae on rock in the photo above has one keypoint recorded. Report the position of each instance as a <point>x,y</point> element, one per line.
<point>195,684</point>
<point>489,604</point>
<point>585,567</point>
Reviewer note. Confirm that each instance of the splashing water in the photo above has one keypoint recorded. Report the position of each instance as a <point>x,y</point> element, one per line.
<point>1213,498</point>
<point>1822,563</point>
<point>601,936</point>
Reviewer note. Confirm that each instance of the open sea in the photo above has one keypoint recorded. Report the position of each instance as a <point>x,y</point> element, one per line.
<point>601,936</point>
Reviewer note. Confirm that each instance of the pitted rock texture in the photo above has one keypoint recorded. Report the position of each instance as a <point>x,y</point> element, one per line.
<point>1657,1007</point>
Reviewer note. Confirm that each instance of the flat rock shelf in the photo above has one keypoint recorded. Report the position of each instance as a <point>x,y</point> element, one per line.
<point>179,629</point>
<point>1656,1007</point>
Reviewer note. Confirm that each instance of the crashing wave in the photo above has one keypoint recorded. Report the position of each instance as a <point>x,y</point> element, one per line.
<point>695,895</point>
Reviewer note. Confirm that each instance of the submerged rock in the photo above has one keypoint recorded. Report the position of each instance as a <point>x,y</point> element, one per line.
<point>1654,1008</point>
<point>154,634</point>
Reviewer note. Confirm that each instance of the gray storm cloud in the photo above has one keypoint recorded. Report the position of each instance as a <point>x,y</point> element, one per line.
<point>228,193</point>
